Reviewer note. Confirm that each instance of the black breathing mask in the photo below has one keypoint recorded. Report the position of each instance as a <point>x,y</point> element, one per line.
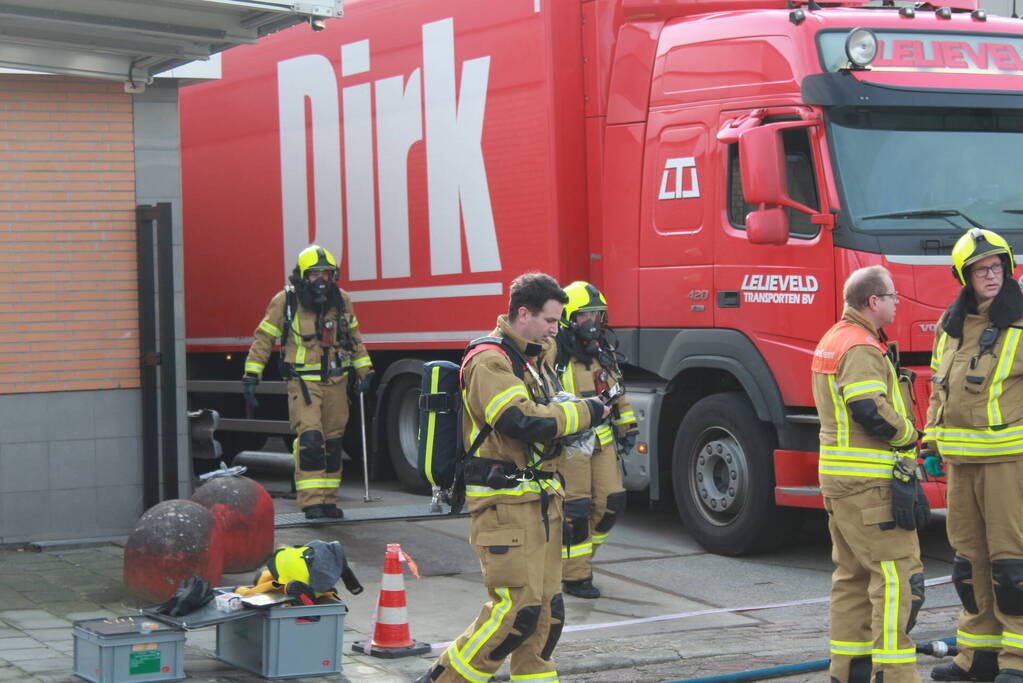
<point>319,290</point>
<point>590,338</point>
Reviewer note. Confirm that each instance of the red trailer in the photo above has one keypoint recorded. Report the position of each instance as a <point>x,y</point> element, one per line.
<point>716,167</point>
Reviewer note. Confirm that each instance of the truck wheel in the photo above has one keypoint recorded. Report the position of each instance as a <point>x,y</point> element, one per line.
<point>402,422</point>
<point>723,477</point>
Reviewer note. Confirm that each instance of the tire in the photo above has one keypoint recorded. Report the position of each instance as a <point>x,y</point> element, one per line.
<point>723,477</point>
<point>402,421</point>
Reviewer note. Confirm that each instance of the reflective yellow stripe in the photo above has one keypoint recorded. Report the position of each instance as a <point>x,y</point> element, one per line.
<point>604,434</point>
<point>841,421</point>
<point>524,487</point>
<point>309,367</point>
<point>545,677</point>
<point>353,323</point>
<point>571,417</point>
<point>626,417</point>
<point>361,362</point>
<point>903,656</point>
<point>1005,361</point>
<point>576,550</point>
<point>1012,640</point>
<point>324,483</point>
<point>855,389</point>
<point>977,443</point>
<point>568,379</point>
<point>939,351</point>
<point>475,430</point>
<point>890,635</point>
<point>253,366</point>
<point>435,378</point>
<point>269,328</point>
<point>851,647</point>
<point>897,402</point>
<point>908,437</point>
<point>296,333</point>
<point>502,399</point>
<point>460,658</point>
<point>862,454</point>
<point>856,462</point>
<point>974,640</point>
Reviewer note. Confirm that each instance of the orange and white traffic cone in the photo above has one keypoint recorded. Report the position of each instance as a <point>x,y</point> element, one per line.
<point>391,636</point>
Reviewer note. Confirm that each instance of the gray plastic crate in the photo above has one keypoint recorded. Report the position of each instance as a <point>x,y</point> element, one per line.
<point>128,650</point>
<point>283,642</point>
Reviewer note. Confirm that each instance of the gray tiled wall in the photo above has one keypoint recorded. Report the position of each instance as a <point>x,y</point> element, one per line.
<point>70,465</point>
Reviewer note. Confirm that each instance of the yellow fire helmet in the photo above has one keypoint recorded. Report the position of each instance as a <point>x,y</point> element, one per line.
<point>315,257</point>
<point>582,296</point>
<point>975,245</point>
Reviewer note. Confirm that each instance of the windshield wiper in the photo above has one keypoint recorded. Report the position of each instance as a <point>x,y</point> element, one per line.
<point>926,213</point>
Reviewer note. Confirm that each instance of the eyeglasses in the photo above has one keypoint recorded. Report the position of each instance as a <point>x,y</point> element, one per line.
<point>984,271</point>
<point>893,295</point>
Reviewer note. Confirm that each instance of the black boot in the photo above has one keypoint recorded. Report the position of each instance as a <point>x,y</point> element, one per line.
<point>984,668</point>
<point>314,512</point>
<point>332,511</point>
<point>1009,676</point>
<point>583,588</point>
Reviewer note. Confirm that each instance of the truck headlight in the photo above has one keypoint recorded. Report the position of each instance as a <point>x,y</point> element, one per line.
<point>861,47</point>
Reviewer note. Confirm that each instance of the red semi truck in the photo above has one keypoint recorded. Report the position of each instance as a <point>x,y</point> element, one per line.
<point>716,167</point>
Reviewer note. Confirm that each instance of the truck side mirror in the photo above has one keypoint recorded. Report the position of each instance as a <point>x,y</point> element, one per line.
<point>762,165</point>
<point>767,226</point>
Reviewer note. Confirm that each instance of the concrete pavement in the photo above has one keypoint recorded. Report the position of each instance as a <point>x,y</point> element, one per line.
<point>649,570</point>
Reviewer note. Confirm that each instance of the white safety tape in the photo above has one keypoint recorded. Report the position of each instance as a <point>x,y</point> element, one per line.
<point>438,647</point>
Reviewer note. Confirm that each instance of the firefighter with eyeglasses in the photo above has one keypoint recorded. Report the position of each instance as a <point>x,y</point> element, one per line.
<point>321,348</point>
<point>868,476</point>
<point>512,426</point>
<point>975,427</point>
<point>594,496</point>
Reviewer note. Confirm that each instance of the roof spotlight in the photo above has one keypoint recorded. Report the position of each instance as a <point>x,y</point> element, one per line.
<point>861,47</point>
<point>317,23</point>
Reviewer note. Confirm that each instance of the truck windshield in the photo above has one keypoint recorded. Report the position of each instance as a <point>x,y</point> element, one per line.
<point>927,169</point>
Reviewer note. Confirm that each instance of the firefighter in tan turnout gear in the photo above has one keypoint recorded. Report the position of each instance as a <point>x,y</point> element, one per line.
<point>510,431</point>
<point>320,347</point>
<point>594,496</point>
<point>874,501</point>
<point>975,424</point>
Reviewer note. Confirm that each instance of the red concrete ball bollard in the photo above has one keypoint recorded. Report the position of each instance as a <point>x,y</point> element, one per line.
<point>244,512</point>
<point>172,541</point>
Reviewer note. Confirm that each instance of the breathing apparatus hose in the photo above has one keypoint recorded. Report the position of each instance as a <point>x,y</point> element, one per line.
<point>936,648</point>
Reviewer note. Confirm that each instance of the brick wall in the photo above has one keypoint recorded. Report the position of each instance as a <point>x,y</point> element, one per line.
<point>68,268</point>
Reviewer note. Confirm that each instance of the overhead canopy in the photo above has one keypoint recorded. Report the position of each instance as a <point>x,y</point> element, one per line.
<point>132,40</point>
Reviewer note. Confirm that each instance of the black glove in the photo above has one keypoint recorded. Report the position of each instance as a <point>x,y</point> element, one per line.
<point>249,383</point>
<point>362,384</point>
<point>192,594</point>
<point>302,593</point>
<point>626,443</point>
<point>922,510</point>
<point>904,495</point>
